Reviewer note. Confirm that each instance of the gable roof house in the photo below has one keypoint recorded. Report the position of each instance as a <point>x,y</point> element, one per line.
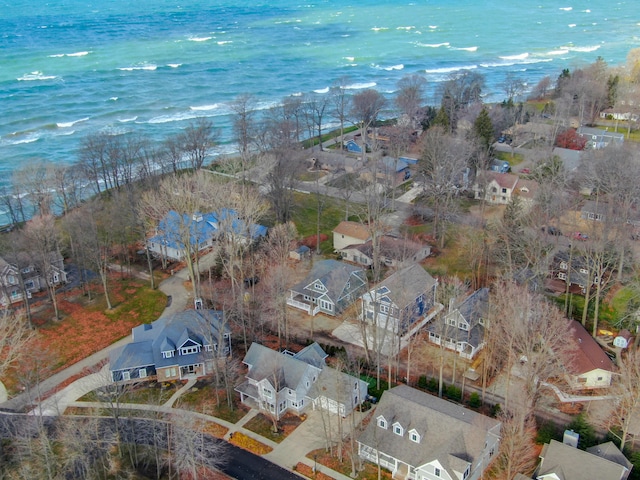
<point>462,328</point>
<point>330,287</point>
<point>589,367</point>
<point>598,138</point>
<point>495,188</point>
<point>420,436</point>
<point>402,302</point>
<point>394,252</point>
<point>559,461</point>
<point>202,229</point>
<point>349,233</point>
<point>15,280</point>
<point>280,382</point>
<point>183,345</point>
<point>574,270</point>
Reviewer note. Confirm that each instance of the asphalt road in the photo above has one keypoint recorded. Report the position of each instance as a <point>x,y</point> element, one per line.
<point>244,465</point>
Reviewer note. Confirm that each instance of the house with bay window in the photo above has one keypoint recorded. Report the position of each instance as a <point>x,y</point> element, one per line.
<point>418,436</point>
<point>183,345</point>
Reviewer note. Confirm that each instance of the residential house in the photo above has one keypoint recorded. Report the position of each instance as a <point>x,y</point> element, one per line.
<point>24,276</point>
<point>402,302</point>
<point>623,339</point>
<point>589,367</point>
<point>620,114</point>
<point>422,437</point>
<point>560,461</point>
<point>390,170</point>
<point>330,287</point>
<point>574,270</point>
<point>495,188</point>
<point>595,211</point>
<point>202,230</point>
<point>394,252</point>
<point>462,328</point>
<point>183,345</point>
<point>349,233</point>
<point>277,383</point>
<point>597,138</point>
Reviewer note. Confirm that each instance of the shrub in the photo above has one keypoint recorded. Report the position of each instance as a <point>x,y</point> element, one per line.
<point>422,382</point>
<point>474,400</point>
<point>454,393</point>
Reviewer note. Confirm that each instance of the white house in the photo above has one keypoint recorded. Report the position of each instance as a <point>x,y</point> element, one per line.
<point>589,367</point>
<point>349,233</point>
<point>280,382</point>
<point>418,436</point>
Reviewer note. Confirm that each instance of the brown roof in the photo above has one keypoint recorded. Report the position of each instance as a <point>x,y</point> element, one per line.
<point>505,180</point>
<point>588,356</point>
<point>352,229</point>
<point>526,188</point>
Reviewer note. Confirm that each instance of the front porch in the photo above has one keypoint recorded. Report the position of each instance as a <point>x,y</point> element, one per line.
<point>298,301</point>
<point>192,371</point>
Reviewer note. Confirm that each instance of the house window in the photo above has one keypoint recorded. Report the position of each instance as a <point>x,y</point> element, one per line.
<point>267,392</point>
<point>504,190</point>
<point>382,423</point>
<point>326,305</point>
<point>599,379</point>
<point>142,373</point>
<point>282,406</point>
<point>189,350</point>
<point>208,348</point>
<point>414,436</point>
<point>318,286</point>
<point>289,391</point>
<point>563,265</point>
<point>481,321</point>
<point>307,384</point>
<point>167,354</point>
<point>437,472</point>
<point>29,285</point>
<point>126,376</point>
<point>172,372</point>
<point>562,276</point>
<point>397,429</point>
<point>463,326</point>
<point>451,322</point>
<point>494,190</point>
<point>12,279</point>
<point>583,270</point>
<point>384,308</point>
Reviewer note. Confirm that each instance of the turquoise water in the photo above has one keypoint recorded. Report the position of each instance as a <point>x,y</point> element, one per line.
<point>78,67</point>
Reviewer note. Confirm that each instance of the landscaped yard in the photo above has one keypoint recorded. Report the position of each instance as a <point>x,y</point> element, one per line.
<point>264,427</point>
<point>85,327</point>
<point>369,471</point>
<point>151,393</point>
<point>241,440</point>
<point>202,399</point>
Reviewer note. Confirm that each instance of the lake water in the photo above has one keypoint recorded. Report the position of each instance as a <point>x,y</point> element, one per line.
<point>72,68</point>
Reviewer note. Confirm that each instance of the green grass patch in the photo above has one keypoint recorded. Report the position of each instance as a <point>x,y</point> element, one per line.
<point>133,299</point>
<point>514,160</point>
<point>305,213</point>
<point>202,399</point>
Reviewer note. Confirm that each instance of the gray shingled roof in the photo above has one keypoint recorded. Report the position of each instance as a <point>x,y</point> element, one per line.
<point>282,371</point>
<point>333,274</point>
<point>336,385</point>
<point>571,463</point>
<point>449,433</point>
<point>472,309</point>
<point>149,340</point>
<point>407,284</point>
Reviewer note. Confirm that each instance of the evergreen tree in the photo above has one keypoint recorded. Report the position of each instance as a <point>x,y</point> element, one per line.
<point>483,128</point>
<point>442,119</point>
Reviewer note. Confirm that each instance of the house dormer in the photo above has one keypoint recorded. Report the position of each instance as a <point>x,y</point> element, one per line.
<point>414,436</point>
<point>319,287</point>
<point>188,343</point>
<point>167,348</point>
<point>397,429</point>
<point>382,422</point>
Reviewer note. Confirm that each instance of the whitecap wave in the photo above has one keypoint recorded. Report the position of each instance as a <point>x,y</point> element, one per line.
<point>224,42</point>
<point>566,9</point>
<point>349,59</point>
<point>71,124</point>
<point>21,138</point>
<point>405,28</point>
<point>37,75</point>
<point>451,69</point>
<point>586,11</point>
<point>400,66</point>
<point>433,27</point>
<point>358,86</point>
<point>379,29</point>
<point>562,51</point>
<point>467,49</point>
<point>592,48</point>
<point>199,39</point>
<point>174,65</point>
<point>65,133</point>
<point>177,117</point>
<point>205,108</point>
<point>296,94</point>
<point>113,99</point>
<point>521,56</point>
<point>322,90</point>
<point>145,66</point>
<point>571,25</point>
<point>127,120</point>
<point>433,45</point>
<point>75,54</point>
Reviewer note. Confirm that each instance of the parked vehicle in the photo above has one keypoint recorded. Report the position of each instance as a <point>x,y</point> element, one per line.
<point>580,236</point>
